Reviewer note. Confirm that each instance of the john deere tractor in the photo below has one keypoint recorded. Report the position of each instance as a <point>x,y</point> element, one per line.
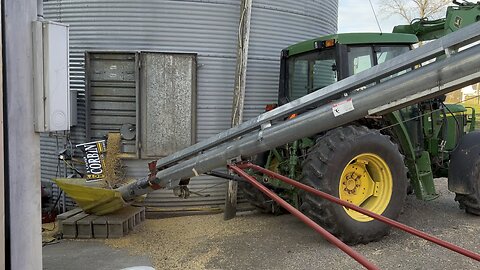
<point>375,161</point>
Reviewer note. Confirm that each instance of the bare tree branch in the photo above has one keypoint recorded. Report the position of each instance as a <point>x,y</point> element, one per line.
<point>435,8</point>
<point>412,9</point>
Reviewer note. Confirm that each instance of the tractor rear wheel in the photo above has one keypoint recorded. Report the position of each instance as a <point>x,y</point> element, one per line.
<point>464,173</point>
<point>358,165</point>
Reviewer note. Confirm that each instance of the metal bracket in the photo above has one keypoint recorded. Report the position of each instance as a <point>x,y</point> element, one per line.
<point>152,167</point>
<point>262,127</point>
<point>265,125</point>
<point>449,52</point>
<point>181,192</point>
<point>234,160</point>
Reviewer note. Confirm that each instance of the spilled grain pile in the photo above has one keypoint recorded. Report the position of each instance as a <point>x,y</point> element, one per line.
<point>184,242</point>
<point>49,232</point>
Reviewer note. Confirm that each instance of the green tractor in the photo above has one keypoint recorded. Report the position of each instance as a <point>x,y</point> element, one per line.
<point>376,161</point>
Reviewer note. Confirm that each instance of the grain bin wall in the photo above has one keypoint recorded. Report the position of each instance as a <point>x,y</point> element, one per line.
<point>207,28</point>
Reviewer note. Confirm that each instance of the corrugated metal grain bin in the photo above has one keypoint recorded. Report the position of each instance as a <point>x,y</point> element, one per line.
<point>204,28</point>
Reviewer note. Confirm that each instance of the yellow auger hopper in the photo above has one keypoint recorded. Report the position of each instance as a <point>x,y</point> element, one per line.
<point>91,197</point>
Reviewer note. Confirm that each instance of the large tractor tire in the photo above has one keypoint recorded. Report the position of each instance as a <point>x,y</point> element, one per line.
<point>464,173</point>
<point>358,165</point>
<point>469,202</point>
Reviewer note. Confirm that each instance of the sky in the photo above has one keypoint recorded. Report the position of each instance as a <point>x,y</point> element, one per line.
<point>357,16</point>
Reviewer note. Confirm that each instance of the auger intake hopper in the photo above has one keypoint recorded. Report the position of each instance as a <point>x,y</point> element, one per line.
<point>91,197</point>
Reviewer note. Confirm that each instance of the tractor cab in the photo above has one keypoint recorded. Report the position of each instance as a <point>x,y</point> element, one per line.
<point>313,64</point>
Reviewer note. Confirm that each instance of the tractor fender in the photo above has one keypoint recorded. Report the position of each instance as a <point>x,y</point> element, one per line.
<point>464,168</point>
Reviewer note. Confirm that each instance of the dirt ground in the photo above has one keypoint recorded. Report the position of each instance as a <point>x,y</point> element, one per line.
<point>258,241</point>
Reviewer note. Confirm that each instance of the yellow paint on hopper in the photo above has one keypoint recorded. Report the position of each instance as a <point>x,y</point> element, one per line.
<point>92,199</point>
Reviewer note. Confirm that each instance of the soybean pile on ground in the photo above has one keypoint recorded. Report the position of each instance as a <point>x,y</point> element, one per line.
<point>184,242</point>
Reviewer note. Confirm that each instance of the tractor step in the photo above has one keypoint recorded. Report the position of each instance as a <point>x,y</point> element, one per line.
<point>78,224</point>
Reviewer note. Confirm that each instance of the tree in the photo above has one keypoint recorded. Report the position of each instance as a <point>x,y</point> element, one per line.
<point>412,9</point>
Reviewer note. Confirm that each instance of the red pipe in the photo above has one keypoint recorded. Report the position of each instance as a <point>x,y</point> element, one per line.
<point>381,218</point>
<point>332,239</point>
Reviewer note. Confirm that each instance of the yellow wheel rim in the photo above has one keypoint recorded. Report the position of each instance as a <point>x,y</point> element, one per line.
<point>366,181</point>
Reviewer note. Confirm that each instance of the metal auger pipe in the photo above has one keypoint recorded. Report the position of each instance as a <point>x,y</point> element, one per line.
<point>440,77</point>
<point>427,52</point>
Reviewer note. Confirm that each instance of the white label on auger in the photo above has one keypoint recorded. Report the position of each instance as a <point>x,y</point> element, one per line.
<point>342,107</point>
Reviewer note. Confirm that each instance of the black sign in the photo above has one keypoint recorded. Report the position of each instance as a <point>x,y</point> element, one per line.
<point>94,157</point>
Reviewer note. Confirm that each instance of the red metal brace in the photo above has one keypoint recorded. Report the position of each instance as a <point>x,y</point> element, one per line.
<point>152,167</point>
<point>239,169</point>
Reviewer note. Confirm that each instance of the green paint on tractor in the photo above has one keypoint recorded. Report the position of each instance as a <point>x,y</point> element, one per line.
<point>351,39</point>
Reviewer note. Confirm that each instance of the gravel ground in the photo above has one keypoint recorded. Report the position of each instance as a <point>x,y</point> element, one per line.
<point>257,241</point>
<point>286,243</point>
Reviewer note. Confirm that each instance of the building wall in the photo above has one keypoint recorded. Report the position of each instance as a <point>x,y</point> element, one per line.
<point>23,144</point>
<point>207,28</point>
<point>2,167</point>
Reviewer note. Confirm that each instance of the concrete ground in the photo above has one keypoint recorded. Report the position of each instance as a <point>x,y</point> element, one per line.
<point>89,254</point>
<point>257,241</point>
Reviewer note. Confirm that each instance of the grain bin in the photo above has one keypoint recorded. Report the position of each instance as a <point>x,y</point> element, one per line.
<point>204,29</point>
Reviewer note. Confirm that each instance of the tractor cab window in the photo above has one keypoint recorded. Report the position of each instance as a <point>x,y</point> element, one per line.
<point>361,58</point>
<point>309,72</point>
<point>385,53</point>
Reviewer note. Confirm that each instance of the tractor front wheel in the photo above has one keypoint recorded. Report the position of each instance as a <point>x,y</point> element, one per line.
<point>361,166</point>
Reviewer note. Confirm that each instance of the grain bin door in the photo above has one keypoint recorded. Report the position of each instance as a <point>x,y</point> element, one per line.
<point>112,96</point>
<point>168,103</point>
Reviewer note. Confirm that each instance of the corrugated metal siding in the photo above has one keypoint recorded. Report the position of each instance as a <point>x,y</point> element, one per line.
<point>52,143</point>
<point>205,27</point>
